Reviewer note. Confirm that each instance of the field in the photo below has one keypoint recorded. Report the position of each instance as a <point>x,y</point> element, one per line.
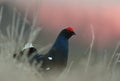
<point>83,69</point>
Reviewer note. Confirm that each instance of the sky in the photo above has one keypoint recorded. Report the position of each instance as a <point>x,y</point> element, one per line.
<point>104,15</point>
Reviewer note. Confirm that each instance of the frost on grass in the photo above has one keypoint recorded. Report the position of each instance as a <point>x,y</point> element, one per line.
<point>13,41</point>
<point>10,43</point>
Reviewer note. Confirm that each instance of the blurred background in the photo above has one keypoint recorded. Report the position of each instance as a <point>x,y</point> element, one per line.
<point>54,15</point>
<point>90,59</point>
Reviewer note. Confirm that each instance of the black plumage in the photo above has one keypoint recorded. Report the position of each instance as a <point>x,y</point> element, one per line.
<point>56,58</point>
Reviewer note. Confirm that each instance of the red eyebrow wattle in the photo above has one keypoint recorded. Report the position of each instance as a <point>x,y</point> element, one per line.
<point>70,29</point>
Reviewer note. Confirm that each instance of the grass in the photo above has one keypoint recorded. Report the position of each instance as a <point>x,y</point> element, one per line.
<point>10,70</point>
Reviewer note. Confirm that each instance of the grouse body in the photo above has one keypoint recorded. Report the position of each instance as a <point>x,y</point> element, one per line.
<point>56,58</point>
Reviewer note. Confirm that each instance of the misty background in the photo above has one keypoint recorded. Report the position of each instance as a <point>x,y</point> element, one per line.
<point>52,16</point>
<point>56,15</point>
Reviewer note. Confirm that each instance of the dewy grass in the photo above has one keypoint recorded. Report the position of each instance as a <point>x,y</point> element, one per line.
<point>10,70</point>
<point>90,52</point>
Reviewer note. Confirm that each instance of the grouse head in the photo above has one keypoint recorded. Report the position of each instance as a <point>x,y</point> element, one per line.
<point>67,32</point>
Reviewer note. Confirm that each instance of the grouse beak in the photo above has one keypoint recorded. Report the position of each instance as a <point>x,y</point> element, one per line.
<point>74,33</point>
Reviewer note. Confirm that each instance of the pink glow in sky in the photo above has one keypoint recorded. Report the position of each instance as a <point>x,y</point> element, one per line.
<point>104,15</point>
<point>105,19</point>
